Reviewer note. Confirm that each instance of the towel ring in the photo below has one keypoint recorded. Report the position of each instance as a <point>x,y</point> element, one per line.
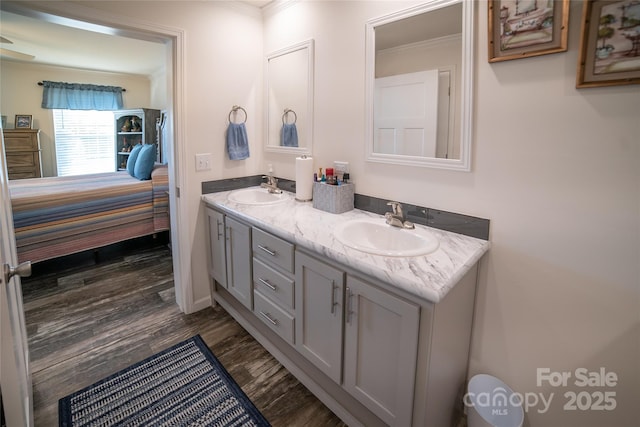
<point>284,116</point>
<point>235,110</point>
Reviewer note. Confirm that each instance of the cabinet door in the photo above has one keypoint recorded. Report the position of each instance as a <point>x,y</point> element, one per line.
<point>217,247</point>
<point>381,344</point>
<point>238,237</point>
<point>319,296</point>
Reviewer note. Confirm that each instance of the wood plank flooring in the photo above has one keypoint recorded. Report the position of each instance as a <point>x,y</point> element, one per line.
<point>87,320</point>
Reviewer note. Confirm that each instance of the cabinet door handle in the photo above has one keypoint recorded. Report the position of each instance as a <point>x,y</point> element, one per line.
<point>333,297</point>
<point>349,304</point>
<point>228,233</point>
<point>267,250</point>
<point>218,228</point>
<point>269,318</point>
<point>267,284</point>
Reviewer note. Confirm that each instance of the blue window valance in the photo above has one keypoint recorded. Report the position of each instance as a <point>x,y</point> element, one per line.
<point>80,96</point>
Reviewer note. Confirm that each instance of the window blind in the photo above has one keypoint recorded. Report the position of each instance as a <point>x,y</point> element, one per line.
<point>84,141</point>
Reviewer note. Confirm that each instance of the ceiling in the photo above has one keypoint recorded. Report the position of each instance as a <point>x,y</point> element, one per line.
<point>436,23</point>
<point>37,41</point>
<point>61,45</point>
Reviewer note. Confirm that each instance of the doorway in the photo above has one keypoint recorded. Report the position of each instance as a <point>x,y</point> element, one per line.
<point>173,39</point>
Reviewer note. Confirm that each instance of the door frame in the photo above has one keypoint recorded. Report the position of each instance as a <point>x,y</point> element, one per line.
<point>128,26</point>
<point>15,372</point>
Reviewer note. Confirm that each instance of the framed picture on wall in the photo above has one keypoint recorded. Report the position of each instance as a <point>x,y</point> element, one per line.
<point>609,44</point>
<point>524,28</point>
<point>23,121</point>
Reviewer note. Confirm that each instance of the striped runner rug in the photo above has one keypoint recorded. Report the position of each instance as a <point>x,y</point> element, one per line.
<point>184,385</point>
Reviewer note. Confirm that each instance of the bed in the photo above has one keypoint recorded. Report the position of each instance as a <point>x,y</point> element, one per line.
<point>60,216</point>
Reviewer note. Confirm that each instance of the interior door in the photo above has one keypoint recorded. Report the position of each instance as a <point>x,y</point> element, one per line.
<point>15,376</point>
<point>406,114</point>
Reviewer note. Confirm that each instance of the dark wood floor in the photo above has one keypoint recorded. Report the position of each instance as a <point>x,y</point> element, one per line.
<point>86,320</point>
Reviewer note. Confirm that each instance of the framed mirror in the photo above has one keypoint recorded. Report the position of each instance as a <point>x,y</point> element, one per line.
<point>419,83</point>
<point>289,98</point>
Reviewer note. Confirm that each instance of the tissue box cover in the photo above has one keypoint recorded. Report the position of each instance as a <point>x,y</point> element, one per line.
<point>333,198</point>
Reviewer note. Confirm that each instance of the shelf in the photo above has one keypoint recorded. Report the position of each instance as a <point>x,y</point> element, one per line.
<point>133,127</point>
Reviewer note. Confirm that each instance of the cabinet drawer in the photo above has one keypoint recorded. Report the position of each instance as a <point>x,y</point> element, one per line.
<point>273,316</point>
<point>273,250</point>
<point>22,160</point>
<point>274,285</point>
<point>20,141</point>
<point>22,174</point>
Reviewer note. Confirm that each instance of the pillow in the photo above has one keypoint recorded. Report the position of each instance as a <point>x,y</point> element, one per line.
<point>145,161</point>
<point>135,151</point>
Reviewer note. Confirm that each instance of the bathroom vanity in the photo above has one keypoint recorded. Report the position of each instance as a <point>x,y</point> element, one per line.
<point>381,340</point>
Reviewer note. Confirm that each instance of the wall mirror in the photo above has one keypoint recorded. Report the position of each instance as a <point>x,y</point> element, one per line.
<point>289,97</point>
<point>419,82</point>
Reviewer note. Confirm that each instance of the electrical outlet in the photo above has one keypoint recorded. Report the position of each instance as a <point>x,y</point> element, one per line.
<point>203,162</point>
<point>341,167</point>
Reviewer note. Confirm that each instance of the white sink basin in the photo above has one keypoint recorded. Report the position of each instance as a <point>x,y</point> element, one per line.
<point>374,236</point>
<point>256,196</point>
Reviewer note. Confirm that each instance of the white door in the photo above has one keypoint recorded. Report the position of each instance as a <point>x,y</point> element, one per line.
<point>15,376</point>
<point>406,114</point>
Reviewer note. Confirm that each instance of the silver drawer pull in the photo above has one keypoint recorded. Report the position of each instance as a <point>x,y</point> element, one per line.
<point>218,227</point>
<point>269,318</point>
<point>267,250</point>
<point>267,284</point>
<point>349,304</point>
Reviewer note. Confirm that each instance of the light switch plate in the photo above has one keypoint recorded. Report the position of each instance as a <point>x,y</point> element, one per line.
<point>203,162</point>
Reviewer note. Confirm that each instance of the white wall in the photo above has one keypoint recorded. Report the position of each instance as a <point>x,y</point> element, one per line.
<point>555,169</point>
<point>222,67</point>
<point>22,95</point>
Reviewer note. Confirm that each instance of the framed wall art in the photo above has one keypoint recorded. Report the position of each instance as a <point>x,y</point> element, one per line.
<point>609,44</point>
<point>23,121</point>
<point>524,28</point>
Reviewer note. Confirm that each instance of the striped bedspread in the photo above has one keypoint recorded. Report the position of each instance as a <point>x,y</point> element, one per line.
<point>63,215</point>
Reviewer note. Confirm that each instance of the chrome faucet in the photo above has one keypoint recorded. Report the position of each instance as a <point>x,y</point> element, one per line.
<point>396,217</point>
<point>272,184</point>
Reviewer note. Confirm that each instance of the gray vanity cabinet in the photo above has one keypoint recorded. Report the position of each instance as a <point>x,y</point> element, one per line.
<point>319,296</point>
<point>373,353</point>
<point>238,251</point>
<point>217,246</point>
<point>380,351</point>
<point>230,255</point>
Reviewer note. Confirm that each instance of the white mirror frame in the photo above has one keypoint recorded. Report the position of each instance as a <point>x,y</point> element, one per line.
<point>466,87</point>
<point>308,141</point>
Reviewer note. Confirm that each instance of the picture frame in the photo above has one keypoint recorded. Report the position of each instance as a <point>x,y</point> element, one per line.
<point>609,52</point>
<point>526,28</point>
<point>23,121</point>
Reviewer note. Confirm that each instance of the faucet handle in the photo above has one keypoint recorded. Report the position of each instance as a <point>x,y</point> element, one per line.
<point>396,207</point>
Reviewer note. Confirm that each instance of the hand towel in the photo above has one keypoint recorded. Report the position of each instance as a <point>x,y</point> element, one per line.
<point>289,135</point>
<point>237,141</point>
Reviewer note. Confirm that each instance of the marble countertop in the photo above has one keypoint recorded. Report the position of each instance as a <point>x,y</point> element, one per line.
<point>429,277</point>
